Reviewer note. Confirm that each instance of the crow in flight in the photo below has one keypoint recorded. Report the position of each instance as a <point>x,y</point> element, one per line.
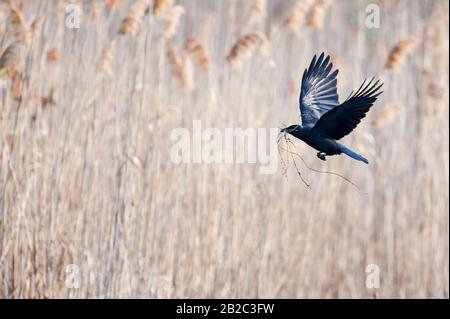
<point>323,120</point>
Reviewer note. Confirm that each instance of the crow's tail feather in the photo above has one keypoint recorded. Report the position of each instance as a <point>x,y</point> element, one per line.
<point>352,154</point>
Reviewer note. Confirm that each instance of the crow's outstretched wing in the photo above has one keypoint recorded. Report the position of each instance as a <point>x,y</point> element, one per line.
<point>318,92</point>
<point>341,120</point>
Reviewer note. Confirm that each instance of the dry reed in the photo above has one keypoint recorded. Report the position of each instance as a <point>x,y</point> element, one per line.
<point>112,4</point>
<point>159,6</point>
<point>18,28</point>
<point>297,16</point>
<point>36,25</point>
<point>87,177</point>
<point>106,59</point>
<point>130,24</point>
<point>257,12</point>
<point>386,115</point>
<point>172,19</point>
<point>317,13</point>
<point>180,67</point>
<point>53,55</point>
<point>48,99</point>
<point>195,47</point>
<point>10,58</point>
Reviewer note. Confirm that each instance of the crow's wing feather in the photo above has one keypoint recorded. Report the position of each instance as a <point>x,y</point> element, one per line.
<point>341,120</point>
<point>318,92</point>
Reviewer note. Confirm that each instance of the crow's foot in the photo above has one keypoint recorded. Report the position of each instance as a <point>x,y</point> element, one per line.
<point>321,155</point>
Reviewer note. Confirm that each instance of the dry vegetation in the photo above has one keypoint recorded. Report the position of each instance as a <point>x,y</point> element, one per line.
<point>86,179</point>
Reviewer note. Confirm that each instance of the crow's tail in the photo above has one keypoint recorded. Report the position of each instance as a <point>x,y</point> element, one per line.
<point>352,154</point>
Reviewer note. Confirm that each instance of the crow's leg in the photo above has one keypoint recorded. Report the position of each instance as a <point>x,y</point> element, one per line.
<point>322,155</point>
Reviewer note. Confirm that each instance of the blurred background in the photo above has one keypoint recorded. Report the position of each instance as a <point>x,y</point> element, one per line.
<point>91,206</point>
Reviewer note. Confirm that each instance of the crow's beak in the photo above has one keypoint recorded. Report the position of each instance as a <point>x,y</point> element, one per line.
<point>283,130</point>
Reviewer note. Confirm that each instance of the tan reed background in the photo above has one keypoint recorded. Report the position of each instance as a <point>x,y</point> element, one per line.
<point>86,178</point>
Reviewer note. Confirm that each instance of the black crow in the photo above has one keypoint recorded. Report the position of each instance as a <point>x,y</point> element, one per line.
<point>323,120</point>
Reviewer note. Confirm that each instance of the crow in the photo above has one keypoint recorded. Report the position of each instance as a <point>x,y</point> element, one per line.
<point>323,120</point>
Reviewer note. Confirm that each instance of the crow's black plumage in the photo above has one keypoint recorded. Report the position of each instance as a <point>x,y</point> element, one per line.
<point>323,120</point>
